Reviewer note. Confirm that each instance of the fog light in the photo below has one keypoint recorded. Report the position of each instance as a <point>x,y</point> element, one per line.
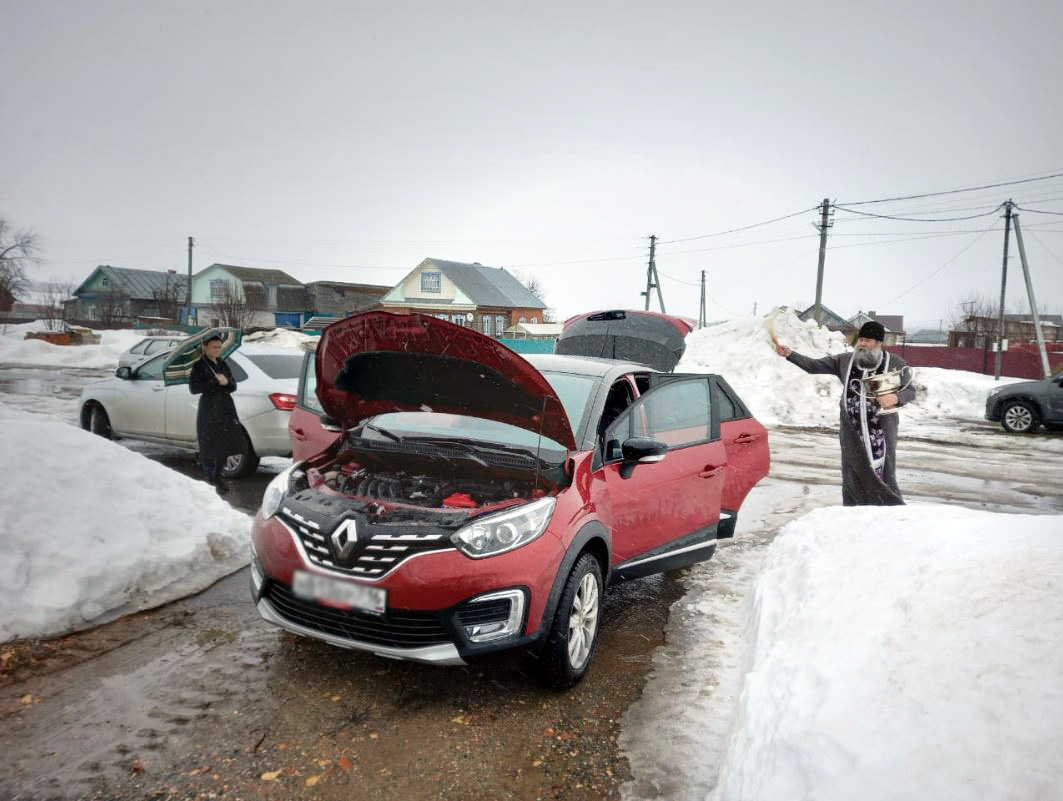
<point>497,630</point>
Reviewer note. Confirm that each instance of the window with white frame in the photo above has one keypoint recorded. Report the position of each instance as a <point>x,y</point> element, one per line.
<point>432,282</point>
<point>444,317</point>
<point>219,288</point>
<point>500,324</point>
<point>522,320</point>
<point>486,322</point>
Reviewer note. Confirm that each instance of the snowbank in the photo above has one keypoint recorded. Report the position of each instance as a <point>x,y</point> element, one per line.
<point>778,393</point>
<point>91,530</point>
<point>14,349</point>
<point>904,653</point>
<point>282,338</point>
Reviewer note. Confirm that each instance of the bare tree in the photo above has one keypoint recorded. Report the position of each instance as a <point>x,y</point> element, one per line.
<point>169,297</point>
<point>535,285</point>
<point>19,250</point>
<point>53,301</point>
<point>113,307</point>
<point>236,309</point>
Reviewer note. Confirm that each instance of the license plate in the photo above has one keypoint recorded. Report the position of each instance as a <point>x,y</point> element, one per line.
<point>314,587</point>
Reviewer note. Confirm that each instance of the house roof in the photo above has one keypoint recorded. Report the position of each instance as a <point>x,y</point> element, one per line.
<point>135,284</point>
<point>266,276</point>
<point>362,287</point>
<point>486,286</point>
<point>891,322</point>
<point>829,317</point>
<point>1053,319</point>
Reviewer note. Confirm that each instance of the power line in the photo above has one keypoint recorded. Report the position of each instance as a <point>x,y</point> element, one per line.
<point>919,219</point>
<point>1042,244</point>
<point>1040,211</point>
<point>956,191</point>
<point>743,228</point>
<point>922,281</point>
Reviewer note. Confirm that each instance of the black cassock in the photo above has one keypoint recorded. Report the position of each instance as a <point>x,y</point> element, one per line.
<point>217,426</point>
<point>868,440</point>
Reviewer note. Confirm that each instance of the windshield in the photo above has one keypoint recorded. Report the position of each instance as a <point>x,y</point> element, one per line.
<point>279,366</point>
<point>573,390</point>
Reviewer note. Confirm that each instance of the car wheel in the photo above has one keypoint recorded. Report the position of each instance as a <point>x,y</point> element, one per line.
<point>574,633</point>
<point>1019,417</point>
<point>95,419</point>
<point>243,463</point>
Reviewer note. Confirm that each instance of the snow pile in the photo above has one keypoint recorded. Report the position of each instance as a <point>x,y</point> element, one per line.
<point>775,391</point>
<point>905,652</point>
<point>91,530</point>
<point>282,338</point>
<point>779,393</point>
<point>15,349</point>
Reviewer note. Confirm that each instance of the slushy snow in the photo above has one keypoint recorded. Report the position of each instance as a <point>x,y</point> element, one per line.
<point>91,530</point>
<point>901,653</point>
<point>779,393</point>
<point>16,350</point>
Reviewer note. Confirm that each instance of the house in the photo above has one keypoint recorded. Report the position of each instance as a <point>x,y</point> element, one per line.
<point>893,323</point>
<point>547,331</point>
<point>263,297</point>
<point>928,336</point>
<point>979,331</point>
<point>122,295</point>
<point>337,299</point>
<point>488,299</point>
<point>832,320</point>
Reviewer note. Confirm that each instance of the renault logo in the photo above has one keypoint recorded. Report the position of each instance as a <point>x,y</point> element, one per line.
<point>344,538</point>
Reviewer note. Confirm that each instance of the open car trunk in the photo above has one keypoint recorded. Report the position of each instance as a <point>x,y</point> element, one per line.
<point>655,340</point>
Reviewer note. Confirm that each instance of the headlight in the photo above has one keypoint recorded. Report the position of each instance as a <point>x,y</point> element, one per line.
<point>274,494</point>
<point>495,534</point>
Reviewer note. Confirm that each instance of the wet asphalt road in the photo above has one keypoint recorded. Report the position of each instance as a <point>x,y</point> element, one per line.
<point>201,699</point>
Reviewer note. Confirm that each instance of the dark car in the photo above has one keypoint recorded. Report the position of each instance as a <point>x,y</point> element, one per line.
<point>477,500</point>
<point>1021,408</point>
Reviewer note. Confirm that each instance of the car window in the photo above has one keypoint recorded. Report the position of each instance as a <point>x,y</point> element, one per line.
<point>239,373</point>
<point>676,414</point>
<point>308,390</point>
<point>573,390</point>
<point>155,346</point>
<point>724,405</point>
<point>151,370</point>
<point>282,365</point>
<point>139,347</point>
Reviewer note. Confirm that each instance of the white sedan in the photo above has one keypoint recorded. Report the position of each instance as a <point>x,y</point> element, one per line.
<point>136,404</point>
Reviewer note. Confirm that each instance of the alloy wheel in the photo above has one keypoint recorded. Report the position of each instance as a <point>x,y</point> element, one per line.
<point>233,463</point>
<point>1018,418</point>
<point>583,622</point>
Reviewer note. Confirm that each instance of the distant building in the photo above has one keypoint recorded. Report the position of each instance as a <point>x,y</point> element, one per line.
<point>276,298</point>
<point>928,336</point>
<point>981,332</point>
<point>114,295</point>
<point>549,331</point>
<point>828,318</point>
<point>338,299</point>
<point>893,323</point>
<point>488,299</point>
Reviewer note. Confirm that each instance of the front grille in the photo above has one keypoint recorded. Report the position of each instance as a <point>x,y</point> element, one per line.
<point>477,614</point>
<point>380,548</point>
<point>396,628</point>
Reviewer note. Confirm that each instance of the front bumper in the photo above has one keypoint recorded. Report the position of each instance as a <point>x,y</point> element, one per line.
<point>992,408</point>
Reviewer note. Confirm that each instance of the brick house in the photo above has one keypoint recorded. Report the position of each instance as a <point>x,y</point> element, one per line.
<point>488,299</point>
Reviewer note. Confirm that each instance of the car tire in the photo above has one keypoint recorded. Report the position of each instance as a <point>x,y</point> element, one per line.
<point>574,633</point>
<point>95,419</point>
<point>241,464</point>
<point>1019,417</point>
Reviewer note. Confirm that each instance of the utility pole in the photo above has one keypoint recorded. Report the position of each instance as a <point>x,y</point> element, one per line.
<point>652,281</point>
<point>1003,289</point>
<point>824,224</point>
<point>1033,300</point>
<point>188,293</point>
<point>754,308</point>
<point>701,309</point>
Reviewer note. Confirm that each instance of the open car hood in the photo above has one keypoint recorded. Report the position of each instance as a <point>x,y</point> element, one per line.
<point>656,340</point>
<point>178,365</point>
<point>379,362</point>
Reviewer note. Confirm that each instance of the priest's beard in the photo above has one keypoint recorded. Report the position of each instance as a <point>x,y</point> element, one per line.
<point>868,358</point>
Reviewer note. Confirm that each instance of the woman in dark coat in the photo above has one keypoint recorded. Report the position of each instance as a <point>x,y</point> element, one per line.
<point>217,425</point>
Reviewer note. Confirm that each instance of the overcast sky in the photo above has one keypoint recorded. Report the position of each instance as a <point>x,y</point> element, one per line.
<point>347,141</point>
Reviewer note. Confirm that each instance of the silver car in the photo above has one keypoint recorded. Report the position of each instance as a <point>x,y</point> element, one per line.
<point>148,346</point>
<point>136,404</point>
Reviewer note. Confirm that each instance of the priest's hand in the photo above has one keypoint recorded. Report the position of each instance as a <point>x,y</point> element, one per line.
<point>888,401</point>
<point>782,350</point>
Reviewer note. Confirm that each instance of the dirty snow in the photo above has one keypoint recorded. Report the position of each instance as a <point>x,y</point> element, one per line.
<point>15,349</point>
<point>903,653</point>
<point>109,531</point>
<point>282,338</point>
<point>779,393</point>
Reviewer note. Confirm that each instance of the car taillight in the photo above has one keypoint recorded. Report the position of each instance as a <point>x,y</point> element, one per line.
<point>283,401</point>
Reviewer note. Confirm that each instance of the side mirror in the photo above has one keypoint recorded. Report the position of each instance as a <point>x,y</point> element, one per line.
<point>331,424</point>
<point>125,373</point>
<point>640,450</point>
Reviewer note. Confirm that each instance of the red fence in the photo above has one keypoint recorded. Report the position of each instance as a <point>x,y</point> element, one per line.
<point>1018,363</point>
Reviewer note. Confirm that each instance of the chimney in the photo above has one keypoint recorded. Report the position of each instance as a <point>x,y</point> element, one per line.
<point>171,270</point>
<point>872,314</point>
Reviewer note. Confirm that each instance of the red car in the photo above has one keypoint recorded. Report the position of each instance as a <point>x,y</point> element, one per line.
<point>475,500</point>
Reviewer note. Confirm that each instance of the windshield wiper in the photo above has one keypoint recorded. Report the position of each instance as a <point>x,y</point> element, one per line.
<point>385,432</point>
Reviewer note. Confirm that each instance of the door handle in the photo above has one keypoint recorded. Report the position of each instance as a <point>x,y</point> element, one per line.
<point>745,439</point>
<point>711,470</point>
<point>299,434</point>
<point>157,389</point>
